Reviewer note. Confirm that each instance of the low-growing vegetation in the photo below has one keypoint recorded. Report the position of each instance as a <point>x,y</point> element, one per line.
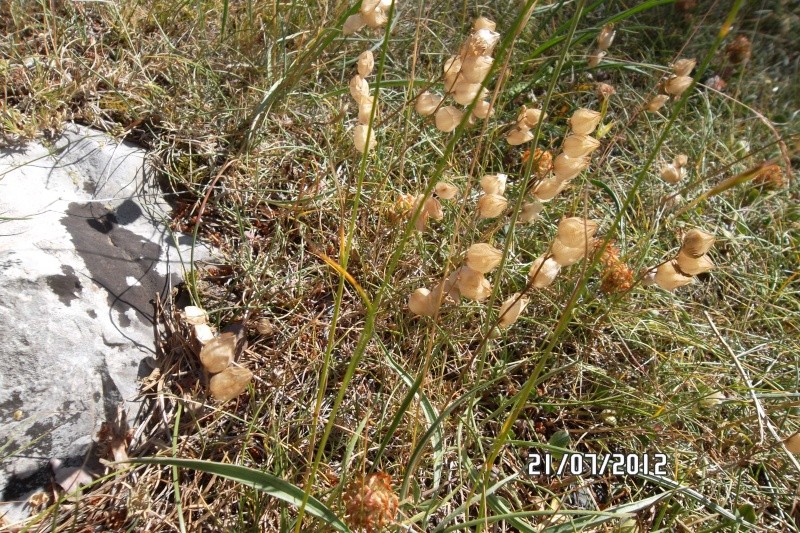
<point>453,240</point>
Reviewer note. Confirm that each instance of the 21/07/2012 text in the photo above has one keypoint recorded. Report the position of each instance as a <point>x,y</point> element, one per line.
<point>592,464</point>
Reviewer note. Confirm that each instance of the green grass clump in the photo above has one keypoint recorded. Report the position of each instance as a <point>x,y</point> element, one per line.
<point>247,111</point>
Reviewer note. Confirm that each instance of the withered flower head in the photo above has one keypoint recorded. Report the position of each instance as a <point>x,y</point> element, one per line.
<point>370,503</point>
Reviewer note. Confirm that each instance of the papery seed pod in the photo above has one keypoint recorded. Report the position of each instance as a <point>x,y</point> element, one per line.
<point>697,243</point>
<point>792,443</point>
<point>359,88</point>
<point>543,271</point>
<point>579,145</point>
<point>452,66</point>
<point>517,136</point>
<point>656,103</point>
<point>229,383</point>
<point>511,309</point>
<point>218,353</point>
<point>595,58</point>
<point>446,191</point>
<point>482,42</point>
<point>464,93</point>
<point>446,289</point>
<point>649,278</point>
<point>483,109</point>
<point>353,24</point>
<point>604,91</point>
<point>547,189</point>
<point>566,255</point>
<point>369,5</point>
<point>494,183</point>
<point>683,67</point>
<point>672,201</point>
<point>483,258</point>
<point>668,278</point>
<point>433,208</point>
<point>475,68</point>
<point>606,37</point>
<point>583,121</point>
<point>365,109</point>
<point>491,205</point>
<point>361,140</point>
<point>565,168</point>
<point>677,85</point>
<point>542,161</point>
<point>693,265</point>
<point>529,117</point>
<point>448,118</point>
<point>576,231</point>
<point>671,174</point>
<point>451,80</point>
<point>194,315</point>
<point>530,211</point>
<point>482,23</point>
<point>366,62</point>
<point>421,304</point>
<point>427,103</point>
<point>422,221</point>
<point>377,18</point>
<point>473,285</point>
<point>203,333</point>
<point>681,160</point>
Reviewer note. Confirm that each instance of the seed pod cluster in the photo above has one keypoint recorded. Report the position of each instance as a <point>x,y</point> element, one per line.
<point>575,156</point>
<point>604,40</point>
<point>692,259</point>
<point>373,13</point>
<point>674,86</point>
<point>521,133</point>
<point>217,354</point>
<point>364,133</point>
<point>492,203</point>
<point>573,241</point>
<point>675,171</point>
<point>464,78</point>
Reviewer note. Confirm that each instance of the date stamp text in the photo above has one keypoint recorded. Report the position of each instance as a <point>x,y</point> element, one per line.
<point>593,464</point>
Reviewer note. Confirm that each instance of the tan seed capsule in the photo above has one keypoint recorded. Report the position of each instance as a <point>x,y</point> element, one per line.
<point>580,145</point>
<point>693,265</point>
<point>511,309</point>
<point>359,88</point>
<point>494,183</point>
<point>668,278</point>
<point>530,212</point>
<point>365,109</point>
<point>491,205</point>
<point>529,117</point>
<point>447,118</point>
<point>203,333</point>
<point>566,255</point>
<point>452,66</point>
<point>475,68</point>
<point>446,191</point>
<point>483,23</point>
<point>362,139</point>
<point>473,284</point>
<point>194,315</point>
<point>595,58</point>
<point>483,109</point>
<point>681,160</point>
<point>583,121</point>
<point>547,189</point>
<point>427,103</point>
<point>483,258</point>
<point>433,208</point>
<point>677,85</point>
<point>229,383</point>
<point>464,93</point>
<point>792,443</point>
<point>366,62</point>
<point>576,231</point>
<point>517,136</point>
<point>565,168</point>
<point>543,271</point>
<point>683,67</point>
<point>482,42</point>
<point>218,353</point>
<point>420,303</point>
<point>606,37</point>
<point>697,243</point>
<point>671,174</point>
<point>376,18</point>
<point>353,24</point>
<point>656,103</point>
